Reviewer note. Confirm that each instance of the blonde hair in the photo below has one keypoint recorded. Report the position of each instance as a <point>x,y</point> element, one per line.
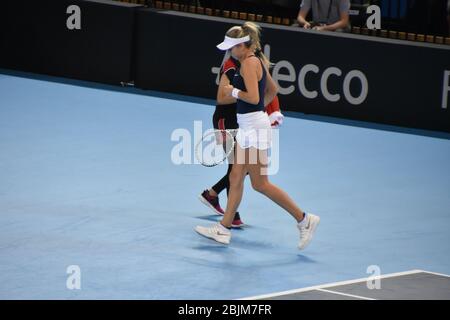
<point>254,31</point>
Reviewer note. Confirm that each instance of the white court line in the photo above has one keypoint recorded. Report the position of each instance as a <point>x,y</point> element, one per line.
<point>436,274</point>
<point>345,294</point>
<point>333,284</point>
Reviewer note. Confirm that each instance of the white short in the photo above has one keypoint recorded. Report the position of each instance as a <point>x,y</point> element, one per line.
<point>254,130</point>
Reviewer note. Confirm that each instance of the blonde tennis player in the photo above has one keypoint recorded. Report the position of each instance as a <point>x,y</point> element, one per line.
<point>253,88</point>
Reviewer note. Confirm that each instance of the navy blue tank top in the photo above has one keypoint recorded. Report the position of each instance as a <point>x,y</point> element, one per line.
<point>245,107</point>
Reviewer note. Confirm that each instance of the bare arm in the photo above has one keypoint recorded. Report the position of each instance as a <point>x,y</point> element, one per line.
<point>222,96</point>
<point>249,72</point>
<point>301,18</point>
<point>341,24</point>
<point>271,88</point>
<point>448,20</point>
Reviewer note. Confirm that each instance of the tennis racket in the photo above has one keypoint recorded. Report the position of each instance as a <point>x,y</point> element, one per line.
<point>215,146</point>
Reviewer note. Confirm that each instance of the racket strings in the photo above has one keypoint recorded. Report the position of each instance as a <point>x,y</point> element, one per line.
<point>215,146</point>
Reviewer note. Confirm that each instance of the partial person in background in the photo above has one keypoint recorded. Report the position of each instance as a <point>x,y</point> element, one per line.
<point>328,15</point>
<point>429,17</point>
<point>448,17</point>
<point>437,17</point>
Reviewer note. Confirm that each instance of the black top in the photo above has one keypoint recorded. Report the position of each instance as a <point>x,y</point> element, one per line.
<point>229,69</point>
<point>245,107</point>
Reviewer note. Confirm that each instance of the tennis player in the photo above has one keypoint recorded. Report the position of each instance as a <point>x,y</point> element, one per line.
<point>224,118</point>
<point>252,86</point>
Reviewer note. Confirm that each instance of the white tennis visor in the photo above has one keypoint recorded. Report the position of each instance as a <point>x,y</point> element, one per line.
<point>229,43</point>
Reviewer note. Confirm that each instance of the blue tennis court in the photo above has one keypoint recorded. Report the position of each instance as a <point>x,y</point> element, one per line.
<point>86,179</point>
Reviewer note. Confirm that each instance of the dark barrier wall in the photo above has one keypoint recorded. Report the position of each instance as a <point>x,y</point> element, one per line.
<point>35,38</point>
<point>349,76</point>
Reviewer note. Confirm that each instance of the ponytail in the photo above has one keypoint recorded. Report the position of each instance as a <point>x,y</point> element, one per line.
<point>254,31</point>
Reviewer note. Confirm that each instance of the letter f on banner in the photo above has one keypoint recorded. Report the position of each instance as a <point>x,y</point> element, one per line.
<point>445,89</point>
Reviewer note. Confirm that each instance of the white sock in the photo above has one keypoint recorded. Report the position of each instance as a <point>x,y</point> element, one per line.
<point>226,230</point>
<point>303,222</point>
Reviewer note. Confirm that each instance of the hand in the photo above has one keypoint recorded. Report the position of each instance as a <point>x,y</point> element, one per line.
<point>319,28</point>
<point>228,89</point>
<point>276,119</point>
<point>307,25</point>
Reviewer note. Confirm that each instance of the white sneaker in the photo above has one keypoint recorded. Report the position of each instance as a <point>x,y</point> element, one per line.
<point>307,228</point>
<point>216,232</point>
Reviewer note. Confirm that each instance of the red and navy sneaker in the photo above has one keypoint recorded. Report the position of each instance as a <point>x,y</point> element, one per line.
<point>211,202</point>
<point>237,222</point>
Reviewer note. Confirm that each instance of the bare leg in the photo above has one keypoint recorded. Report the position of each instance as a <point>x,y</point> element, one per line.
<point>237,176</point>
<point>212,193</point>
<point>261,183</point>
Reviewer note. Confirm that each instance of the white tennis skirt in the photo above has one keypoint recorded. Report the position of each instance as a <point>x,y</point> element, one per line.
<point>254,130</point>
